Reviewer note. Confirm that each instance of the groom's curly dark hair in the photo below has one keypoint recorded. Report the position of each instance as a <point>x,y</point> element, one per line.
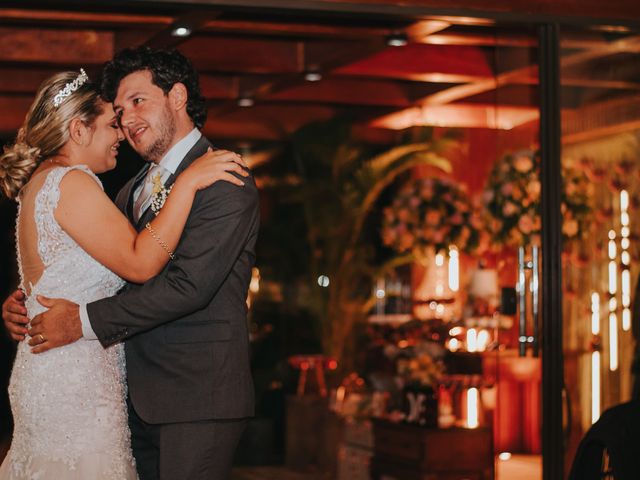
<point>167,68</point>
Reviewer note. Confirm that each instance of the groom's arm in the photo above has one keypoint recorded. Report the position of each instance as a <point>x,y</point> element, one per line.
<point>219,226</point>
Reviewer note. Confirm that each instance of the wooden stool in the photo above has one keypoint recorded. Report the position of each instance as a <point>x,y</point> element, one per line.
<point>304,363</point>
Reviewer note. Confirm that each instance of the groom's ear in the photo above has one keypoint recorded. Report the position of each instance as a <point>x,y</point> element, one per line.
<point>178,96</point>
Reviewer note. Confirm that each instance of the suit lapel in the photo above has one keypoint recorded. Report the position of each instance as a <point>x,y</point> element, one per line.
<point>196,151</point>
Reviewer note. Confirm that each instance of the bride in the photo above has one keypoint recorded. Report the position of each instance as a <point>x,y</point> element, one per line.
<point>69,404</point>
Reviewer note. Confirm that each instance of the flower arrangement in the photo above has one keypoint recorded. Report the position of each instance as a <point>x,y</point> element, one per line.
<point>420,370</point>
<point>431,213</point>
<point>512,200</point>
<point>159,194</point>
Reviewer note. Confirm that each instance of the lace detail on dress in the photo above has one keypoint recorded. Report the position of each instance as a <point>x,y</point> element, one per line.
<point>68,404</point>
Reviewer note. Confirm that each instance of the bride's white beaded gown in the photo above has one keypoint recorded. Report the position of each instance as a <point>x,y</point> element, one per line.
<point>69,403</point>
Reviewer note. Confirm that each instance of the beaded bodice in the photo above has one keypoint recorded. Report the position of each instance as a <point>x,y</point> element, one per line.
<point>69,271</point>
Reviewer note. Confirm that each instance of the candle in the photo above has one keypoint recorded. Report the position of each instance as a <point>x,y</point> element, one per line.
<point>472,408</point>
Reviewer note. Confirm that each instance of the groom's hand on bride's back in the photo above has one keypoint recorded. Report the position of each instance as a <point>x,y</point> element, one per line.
<point>14,315</point>
<point>59,325</point>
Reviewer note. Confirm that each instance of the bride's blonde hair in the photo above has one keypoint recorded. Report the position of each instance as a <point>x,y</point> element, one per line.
<point>46,129</point>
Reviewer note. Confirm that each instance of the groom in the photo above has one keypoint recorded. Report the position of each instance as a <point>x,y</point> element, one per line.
<point>185,331</point>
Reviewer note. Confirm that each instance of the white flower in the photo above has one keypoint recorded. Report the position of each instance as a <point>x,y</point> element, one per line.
<point>159,194</point>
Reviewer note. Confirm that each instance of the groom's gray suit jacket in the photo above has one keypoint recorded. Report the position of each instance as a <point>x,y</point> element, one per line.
<point>187,343</point>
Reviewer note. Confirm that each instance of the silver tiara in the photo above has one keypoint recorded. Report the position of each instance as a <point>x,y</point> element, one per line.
<point>70,87</point>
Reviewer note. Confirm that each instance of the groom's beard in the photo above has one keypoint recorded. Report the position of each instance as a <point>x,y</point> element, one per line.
<point>166,131</point>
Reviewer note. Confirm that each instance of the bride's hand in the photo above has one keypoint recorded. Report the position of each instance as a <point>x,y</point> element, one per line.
<point>213,166</point>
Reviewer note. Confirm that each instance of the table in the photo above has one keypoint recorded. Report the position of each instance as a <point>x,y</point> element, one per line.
<point>409,452</point>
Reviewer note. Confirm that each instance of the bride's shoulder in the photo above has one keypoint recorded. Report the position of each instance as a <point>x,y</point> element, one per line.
<point>78,180</point>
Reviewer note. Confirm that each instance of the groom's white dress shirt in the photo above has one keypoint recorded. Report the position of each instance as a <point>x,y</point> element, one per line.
<point>168,166</point>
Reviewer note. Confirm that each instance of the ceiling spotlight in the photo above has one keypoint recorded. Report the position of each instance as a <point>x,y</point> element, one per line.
<point>397,40</point>
<point>312,76</point>
<point>181,31</point>
<point>245,102</point>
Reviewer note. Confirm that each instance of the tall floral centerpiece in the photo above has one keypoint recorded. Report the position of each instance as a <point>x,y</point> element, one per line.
<point>431,214</point>
<point>433,219</point>
<point>512,200</point>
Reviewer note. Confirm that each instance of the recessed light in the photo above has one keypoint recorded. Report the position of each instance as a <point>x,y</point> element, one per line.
<point>245,102</point>
<point>181,31</point>
<point>312,76</point>
<point>397,40</point>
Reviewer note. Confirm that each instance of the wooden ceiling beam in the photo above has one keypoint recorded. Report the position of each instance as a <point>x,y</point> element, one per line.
<point>480,40</point>
<point>459,115</point>
<point>599,83</point>
<point>243,55</point>
<point>219,87</point>
<point>55,46</point>
<point>335,89</point>
<point>423,62</point>
<point>330,57</point>
<point>463,91</point>
<point>600,119</point>
<point>263,122</point>
<point>302,30</point>
<point>75,18</point>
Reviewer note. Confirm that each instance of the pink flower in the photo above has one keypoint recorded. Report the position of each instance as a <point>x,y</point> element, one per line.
<point>404,215</point>
<point>426,192</point>
<point>509,209</point>
<point>526,224</point>
<point>465,234</point>
<point>570,228</point>
<point>517,194</point>
<point>476,221</point>
<point>484,241</point>
<point>456,219</point>
<point>461,206</point>
<point>438,236</point>
<point>523,164</point>
<point>507,189</point>
<point>433,217</point>
<point>533,189</point>
<point>407,241</point>
<point>388,236</point>
<point>515,237</point>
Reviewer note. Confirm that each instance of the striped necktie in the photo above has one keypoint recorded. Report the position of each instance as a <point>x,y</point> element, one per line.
<point>144,197</point>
